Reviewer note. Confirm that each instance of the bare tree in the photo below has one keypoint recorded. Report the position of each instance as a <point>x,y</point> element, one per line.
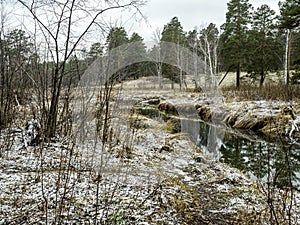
<point>158,65</point>
<point>3,89</point>
<point>208,45</point>
<point>64,24</point>
<point>15,57</point>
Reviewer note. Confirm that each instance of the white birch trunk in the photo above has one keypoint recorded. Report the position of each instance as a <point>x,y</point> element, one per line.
<point>209,62</point>
<point>210,58</point>
<point>159,68</point>
<point>286,75</point>
<point>215,63</point>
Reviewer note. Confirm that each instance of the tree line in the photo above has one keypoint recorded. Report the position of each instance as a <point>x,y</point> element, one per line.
<point>256,41</point>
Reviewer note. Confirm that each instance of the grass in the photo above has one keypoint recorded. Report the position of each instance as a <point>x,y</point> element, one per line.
<point>274,88</point>
<point>270,91</point>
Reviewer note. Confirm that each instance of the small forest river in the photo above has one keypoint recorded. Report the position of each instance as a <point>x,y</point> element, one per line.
<point>270,161</point>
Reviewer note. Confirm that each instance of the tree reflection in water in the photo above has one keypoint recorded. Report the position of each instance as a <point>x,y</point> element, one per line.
<point>274,163</point>
<point>269,160</point>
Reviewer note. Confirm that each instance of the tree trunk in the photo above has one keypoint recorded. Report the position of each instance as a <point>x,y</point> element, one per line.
<point>159,71</point>
<point>53,112</point>
<point>262,78</point>
<point>215,64</point>
<point>172,81</point>
<point>52,116</point>
<point>288,57</point>
<point>195,58</point>
<point>225,75</point>
<point>262,72</point>
<point>2,83</point>
<point>238,75</point>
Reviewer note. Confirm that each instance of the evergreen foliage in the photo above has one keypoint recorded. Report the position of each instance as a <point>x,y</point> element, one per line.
<point>263,46</point>
<point>172,32</point>
<point>234,36</point>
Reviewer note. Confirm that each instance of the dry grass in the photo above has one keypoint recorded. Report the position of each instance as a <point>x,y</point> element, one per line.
<point>269,91</point>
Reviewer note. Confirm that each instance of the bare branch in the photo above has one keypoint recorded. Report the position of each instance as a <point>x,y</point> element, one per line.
<point>37,18</point>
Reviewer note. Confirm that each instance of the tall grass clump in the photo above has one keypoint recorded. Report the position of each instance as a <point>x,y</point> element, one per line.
<point>269,91</point>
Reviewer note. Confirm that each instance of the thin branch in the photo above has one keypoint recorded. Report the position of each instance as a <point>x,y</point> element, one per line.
<point>92,23</point>
<point>37,18</point>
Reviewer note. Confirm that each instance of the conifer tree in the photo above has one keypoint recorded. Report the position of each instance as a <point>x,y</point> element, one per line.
<point>173,32</point>
<point>116,37</point>
<point>263,44</point>
<point>137,53</point>
<point>289,20</point>
<point>234,35</point>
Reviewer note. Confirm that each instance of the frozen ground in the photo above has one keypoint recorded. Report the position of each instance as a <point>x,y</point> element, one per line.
<point>159,184</point>
<point>146,176</point>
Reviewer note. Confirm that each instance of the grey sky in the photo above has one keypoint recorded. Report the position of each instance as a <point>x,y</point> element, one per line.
<point>191,13</point>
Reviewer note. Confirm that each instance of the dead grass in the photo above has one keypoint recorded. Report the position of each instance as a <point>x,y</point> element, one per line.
<point>270,91</point>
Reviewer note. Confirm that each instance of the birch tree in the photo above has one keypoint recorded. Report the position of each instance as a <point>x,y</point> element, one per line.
<point>208,44</point>
<point>155,54</point>
<point>63,25</point>
<point>289,20</point>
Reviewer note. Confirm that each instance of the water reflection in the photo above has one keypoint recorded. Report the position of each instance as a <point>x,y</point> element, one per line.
<point>273,161</point>
<point>207,136</point>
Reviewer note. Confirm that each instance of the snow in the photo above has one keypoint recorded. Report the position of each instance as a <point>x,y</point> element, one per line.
<point>137,182</point>
<point>59,182</point>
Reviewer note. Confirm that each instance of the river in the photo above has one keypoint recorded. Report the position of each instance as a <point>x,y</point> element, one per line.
<point>271,161</point>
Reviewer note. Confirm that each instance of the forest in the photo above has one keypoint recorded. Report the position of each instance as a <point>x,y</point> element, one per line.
<point>98,126</point>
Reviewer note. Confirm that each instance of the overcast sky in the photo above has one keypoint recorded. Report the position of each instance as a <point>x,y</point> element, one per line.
<point>191,13</point>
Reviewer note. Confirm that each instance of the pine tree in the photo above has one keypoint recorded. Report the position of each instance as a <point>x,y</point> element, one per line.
<point>234,37</point>
<point>173,32</point>
<point>15,55</point>
<point>290,14</point>
<point>137,53</point>
<point>262,43</point>
<point>116,37</point>
<point>139,46</point>
<point>193,45</point>
<point>96,50</point>
<point>289,20</point>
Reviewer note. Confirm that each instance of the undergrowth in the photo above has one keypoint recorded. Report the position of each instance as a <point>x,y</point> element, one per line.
<point>269,91</point>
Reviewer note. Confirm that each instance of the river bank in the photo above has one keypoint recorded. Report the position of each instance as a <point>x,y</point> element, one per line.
<point>150,172</point>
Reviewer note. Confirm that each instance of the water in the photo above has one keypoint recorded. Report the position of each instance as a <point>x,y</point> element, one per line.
<point>268,160</point>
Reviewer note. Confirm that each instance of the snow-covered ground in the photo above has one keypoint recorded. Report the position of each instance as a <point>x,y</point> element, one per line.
<point>146,175</point>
